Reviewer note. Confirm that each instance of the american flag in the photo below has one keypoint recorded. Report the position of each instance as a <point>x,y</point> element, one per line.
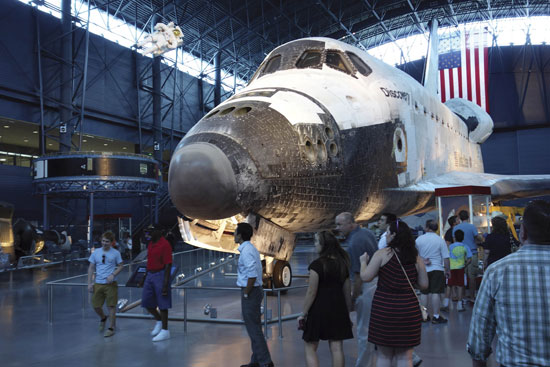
<point>463,67</point>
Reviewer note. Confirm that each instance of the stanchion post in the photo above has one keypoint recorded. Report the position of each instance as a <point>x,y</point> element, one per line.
<point>185,311</point>
<point>84,292</point>
<point>50,304</point>
<point>265,313</point>
<point>279,313</point>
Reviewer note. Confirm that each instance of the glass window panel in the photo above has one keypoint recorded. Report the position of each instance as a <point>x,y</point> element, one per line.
<point>309,59</point>
<point>359,64</point>
<point>336,61</point>
<point>272,65</point>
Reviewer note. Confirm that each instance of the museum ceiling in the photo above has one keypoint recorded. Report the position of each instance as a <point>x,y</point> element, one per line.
<point>246,30</point>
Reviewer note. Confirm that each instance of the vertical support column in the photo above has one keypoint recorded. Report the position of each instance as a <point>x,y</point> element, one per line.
<point>42,142</point>
<point>91,220</point>
<point>440,215</point>
<point>157,127</point>
<point>138,81</point>
<point>84,81</point>
<point>200,93</point>
<point>45,210</point>
<point>65,109</point>
<point>218,78</point>
<point>157,121</point>
<point>175,71</point>
<point>471,208</point>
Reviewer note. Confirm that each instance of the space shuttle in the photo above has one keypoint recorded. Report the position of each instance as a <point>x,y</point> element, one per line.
<point>322,128</point>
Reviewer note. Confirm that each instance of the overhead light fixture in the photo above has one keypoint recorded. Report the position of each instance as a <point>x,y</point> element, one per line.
<point>123,148</point>
<point>84,140</point>
<point>26,140</point>
<point>6,126</point>
<point>105,144</point>
<point>35,132</point>
<point>50,144</point>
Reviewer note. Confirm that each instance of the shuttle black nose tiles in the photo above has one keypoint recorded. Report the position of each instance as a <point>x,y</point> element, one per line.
<point>202,182</point>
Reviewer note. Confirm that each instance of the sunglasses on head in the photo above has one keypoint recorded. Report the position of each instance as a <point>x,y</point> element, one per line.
<point>103,259</point>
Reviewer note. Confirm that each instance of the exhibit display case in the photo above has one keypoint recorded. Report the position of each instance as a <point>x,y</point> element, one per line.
<point>475,199</point>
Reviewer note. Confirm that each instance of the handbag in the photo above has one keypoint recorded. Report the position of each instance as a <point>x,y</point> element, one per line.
<point>423,309</point>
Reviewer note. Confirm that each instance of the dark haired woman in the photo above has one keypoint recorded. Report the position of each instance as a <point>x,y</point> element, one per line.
<point>395,321</point>
<point>498,243</point>
<point>328,301</point>
<point>156,288</point>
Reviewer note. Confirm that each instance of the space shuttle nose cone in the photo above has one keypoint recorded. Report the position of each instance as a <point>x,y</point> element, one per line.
<point>201,182</point>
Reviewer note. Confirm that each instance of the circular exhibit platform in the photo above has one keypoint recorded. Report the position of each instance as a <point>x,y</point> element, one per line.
<point>104,174</point>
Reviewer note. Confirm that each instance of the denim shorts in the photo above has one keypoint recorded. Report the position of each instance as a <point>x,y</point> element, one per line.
<point>152,292</point>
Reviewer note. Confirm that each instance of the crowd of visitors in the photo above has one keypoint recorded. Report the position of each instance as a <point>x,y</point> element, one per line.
<point>379,281</point>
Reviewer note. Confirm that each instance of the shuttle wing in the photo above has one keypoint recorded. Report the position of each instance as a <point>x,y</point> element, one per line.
<point>503,187</point>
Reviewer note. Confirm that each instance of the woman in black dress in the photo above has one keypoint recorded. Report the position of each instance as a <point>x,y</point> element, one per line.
<point>499,243</point>
<point>328,301</point>
<point>395,321</point>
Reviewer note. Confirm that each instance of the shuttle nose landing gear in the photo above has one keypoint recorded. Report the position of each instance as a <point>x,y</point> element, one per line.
<point>282,274</point>
<point>277,274</point>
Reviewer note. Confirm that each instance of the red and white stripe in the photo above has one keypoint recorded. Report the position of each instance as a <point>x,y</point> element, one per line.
<point>470,81</point>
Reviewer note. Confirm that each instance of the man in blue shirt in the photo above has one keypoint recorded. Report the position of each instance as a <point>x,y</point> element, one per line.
<point>249,278</point>
<point>359,240</point>
<point>107,263</point>
<point>471,238</point>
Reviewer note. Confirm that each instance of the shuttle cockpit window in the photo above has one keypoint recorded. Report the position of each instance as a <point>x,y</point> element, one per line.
<point>335,60</point>
<point>272,65</point>
<point>359,64</point>
<point>309,59</point>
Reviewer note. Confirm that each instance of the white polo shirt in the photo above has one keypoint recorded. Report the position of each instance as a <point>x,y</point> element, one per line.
<point>431,246</point>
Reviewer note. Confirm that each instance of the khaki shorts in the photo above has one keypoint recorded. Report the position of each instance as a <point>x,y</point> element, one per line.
<point>472,269</point>
<point>105,292</point>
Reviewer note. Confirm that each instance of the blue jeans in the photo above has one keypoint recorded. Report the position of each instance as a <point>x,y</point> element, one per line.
<point>252,320</point>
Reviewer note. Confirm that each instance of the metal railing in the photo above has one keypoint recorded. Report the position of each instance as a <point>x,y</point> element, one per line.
<point>210,260</point>
<point>186,261</point>
<point>279,320</point>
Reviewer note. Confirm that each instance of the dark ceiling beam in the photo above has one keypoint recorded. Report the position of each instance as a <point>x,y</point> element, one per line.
<point>339,22</point>
<point>290,21</point>
<point>451,12</point>
<point>417,21</point>
<point>122,8</point>
<point>379,18</point>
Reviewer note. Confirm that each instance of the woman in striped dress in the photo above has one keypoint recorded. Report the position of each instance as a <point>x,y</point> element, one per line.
<point>395,321</point>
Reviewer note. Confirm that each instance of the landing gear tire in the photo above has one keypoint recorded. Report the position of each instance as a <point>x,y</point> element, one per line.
<point>282,274</point>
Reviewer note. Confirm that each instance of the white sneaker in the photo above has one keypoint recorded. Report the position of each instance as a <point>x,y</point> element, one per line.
<point>163,335</point>
<point>459,307</point>
<point>157,328</point>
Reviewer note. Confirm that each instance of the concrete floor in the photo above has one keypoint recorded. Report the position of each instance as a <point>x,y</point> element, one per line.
<point>27,339</point>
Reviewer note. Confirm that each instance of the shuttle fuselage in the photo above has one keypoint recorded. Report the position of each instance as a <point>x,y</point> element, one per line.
<point>322,128</point>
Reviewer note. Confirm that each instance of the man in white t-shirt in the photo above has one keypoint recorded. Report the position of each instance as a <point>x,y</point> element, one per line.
<point>433,249</point>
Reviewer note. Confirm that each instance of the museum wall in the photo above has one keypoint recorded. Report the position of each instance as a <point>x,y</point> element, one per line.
<point>110,105</point>
<point>111,94</point>
<point>519,103</point>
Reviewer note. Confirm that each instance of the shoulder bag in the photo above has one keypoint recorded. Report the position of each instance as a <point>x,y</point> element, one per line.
<point>423,309</point>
